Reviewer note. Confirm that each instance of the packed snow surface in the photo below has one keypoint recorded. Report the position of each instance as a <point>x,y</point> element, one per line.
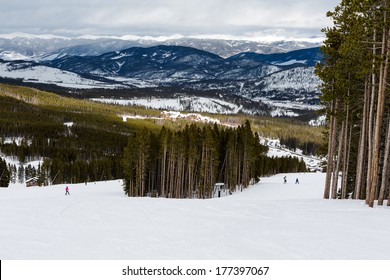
<point>270,220</point>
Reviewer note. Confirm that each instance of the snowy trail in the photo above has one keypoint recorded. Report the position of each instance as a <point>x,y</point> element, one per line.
<point>270,220</point>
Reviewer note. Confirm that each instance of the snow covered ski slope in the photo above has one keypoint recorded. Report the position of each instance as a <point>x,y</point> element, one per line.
<point>270,220</point>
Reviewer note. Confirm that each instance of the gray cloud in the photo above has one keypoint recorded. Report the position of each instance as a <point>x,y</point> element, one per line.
<point>165,17</point>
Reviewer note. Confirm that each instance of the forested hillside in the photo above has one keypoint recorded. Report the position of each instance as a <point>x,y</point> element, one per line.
<point>76,140</point>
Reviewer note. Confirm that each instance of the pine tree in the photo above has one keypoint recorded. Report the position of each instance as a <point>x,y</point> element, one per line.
<point>4,174</point>
<point>355,79</point>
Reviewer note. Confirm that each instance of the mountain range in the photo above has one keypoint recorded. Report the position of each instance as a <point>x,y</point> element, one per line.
<point>279,76</point>
<point>38,47</point>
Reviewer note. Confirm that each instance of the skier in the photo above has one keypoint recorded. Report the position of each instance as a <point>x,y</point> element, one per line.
<point>297,181</point>
<point>67,191</point>
<point>285,179</point>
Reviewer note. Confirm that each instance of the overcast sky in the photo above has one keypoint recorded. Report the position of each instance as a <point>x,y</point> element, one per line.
<point>289,18</point>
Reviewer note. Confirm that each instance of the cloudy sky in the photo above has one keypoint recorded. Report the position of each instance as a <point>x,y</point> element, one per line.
<point>289,18</point>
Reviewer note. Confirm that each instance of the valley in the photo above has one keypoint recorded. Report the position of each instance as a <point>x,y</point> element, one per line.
<point>273,72</point>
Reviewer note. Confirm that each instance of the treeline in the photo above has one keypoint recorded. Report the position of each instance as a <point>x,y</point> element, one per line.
<point>307,147</point>
<point>293,134</point>
<point>355,92</point>
<point>276,165</point>
<point>187,163</point>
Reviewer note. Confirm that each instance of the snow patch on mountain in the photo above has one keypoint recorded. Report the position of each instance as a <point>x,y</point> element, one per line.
<point>44,74</point>
<point>173,115</point>
<point>11,55</point>
<point>301,78</point>
<point>320,121</point>
<point>291,62</point>
<point>194,104</point>
<point>290,105</point>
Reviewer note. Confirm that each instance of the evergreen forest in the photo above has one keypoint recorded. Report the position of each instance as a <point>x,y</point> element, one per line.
<point>77,141</point>
<point>355,87</point>
<point>188,163</point>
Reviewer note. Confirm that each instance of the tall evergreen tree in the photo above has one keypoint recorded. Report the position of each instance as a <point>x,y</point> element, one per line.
<point>4,174</point>
<point>187,163</point>
<point>355,90</point>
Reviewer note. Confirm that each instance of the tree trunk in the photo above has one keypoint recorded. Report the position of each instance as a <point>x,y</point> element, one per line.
<point>385,175</point>
<point>347,144</point>
<point>331,142</point>
<point>371,120</point>
<point>337,169</point>
<point>378,126</point>
<point>362,145</point>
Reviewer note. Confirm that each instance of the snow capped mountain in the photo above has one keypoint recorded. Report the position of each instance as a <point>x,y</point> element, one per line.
<point>32,46</point>
<point>175,64</point>
<point>108,62</point>
<point>223,48</point>
<point>160,64</point>
<point>48,47</point>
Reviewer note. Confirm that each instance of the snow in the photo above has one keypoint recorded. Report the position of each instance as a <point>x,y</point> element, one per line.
<point>270,220</point>
<point>278,112</point>
<point>68,124</point>
<point>10,140</point>
<point>44,74</point>
<point>174,116</point>
<point>15,161</point>
<point>302,78</point>
<point>291,62</point>
<point>14,35</point>
<point>320,121</point>
<point>275,149</point>
<point>132,81</point>
<point>11,55</point>
<point>194,104</point>
<point>284,108</point>
<point>264,38</point>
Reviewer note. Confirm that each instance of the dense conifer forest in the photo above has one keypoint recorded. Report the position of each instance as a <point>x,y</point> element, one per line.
<point>77,141</point>
<point>188,163</point>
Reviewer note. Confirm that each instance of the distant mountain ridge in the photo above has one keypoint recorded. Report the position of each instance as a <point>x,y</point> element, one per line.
<point>287,77</point>
<point>307,57</point>
<point>41,47</point>
<point>176,64</point>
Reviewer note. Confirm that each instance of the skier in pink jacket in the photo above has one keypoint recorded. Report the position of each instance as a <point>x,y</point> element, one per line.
<point>67,191</point>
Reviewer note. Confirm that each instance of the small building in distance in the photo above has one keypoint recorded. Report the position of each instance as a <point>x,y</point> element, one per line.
<point>32,182</point>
